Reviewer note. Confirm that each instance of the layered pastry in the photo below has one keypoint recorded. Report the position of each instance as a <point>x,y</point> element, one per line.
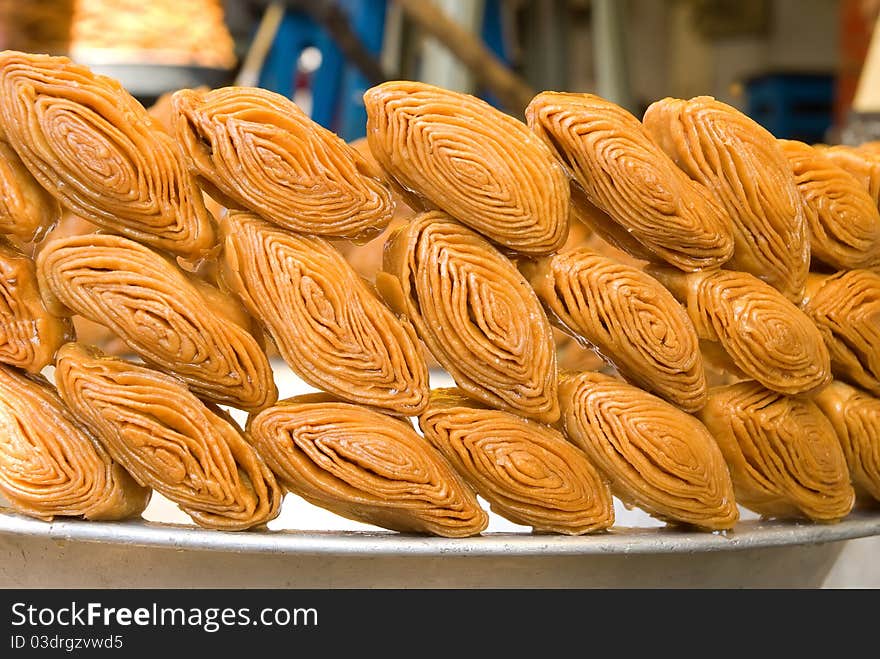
<point>85,330</point>
<point>783,455</point>
<point>327,323</point>
<point>862,164</point>
<point>27,211</point>
<point>748,324</point>
<point>254,149</point>
<point>469,159</point>
<point>50,464</point>
<point>93,147</point>
<point>625,174</point>
<point>573,355</point>
<point>528,472</point>
<point>366,257</point>
<point>855,415</point>
<point>842,218</point>
<point>656,456</point>
<point>742,165</point>
<point>173,321</point>
<point>29,334</point>
<point>476,313</point>
<point>364,466</point>
<point>162,110</point>
<point>605,233</point>
<point>628,317</point>
<point>191,452</point>
<point>845,307</point>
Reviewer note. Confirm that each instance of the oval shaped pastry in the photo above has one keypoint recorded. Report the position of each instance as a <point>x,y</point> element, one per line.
<point>27,211</point>
<point>260,150</point>
<point>842,218</point>
<point>656,456</point>
<point>528,472</point>
<point>855,415</point>
<point>846,308</point>
<point>630,319</point>
<point>624,173</point>
<point>29,334</point>
<point>327,323</point>
<point>172,321</point>
<point>783,455</point>
<point>480,165</point>
<point>767,338</point>
<point>192,453</point>
<point>862,164</point>
<point>743,166</point>
<point>365,466</point>
<point>94,148</point>
<point>476,313</point>
<point>50,465</point>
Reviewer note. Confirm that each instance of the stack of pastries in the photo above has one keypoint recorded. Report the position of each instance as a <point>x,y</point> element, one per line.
<point>680,313</point>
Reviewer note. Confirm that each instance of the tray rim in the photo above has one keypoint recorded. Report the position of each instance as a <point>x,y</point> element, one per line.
<point>750,534</point>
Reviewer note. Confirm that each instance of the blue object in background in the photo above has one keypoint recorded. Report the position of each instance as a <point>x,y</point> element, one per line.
<point>337,86</point>
<point>368,21</point>
<point>493,37</point>
<point>794,106</point>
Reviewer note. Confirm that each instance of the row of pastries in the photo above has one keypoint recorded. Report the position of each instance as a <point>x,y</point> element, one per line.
<point>680,312</point>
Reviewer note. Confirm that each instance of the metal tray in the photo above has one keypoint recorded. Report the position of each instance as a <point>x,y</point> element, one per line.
<point>307,547</point>
<point>150,554</point>
<point>748,534</point>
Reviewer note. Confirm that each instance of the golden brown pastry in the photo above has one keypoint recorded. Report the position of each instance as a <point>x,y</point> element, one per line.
<point>656,456</point>
<point>871,146</point>
<point>255,149</point>
<point>861,164</point>
<point>50,465</point>
<point>624,173</point>
<point>90,333</point>
<point>528,472</point>
<point>162,111</point>
<point>842,218</point>
<point>476,313</point>
<point>86,331</point>
<point>190,452</point>
<point>766,337</point>
<point>630,318</point>
<point>742,164</point>
<point>29,334</point>
<point>783,455</point>
<point>607,236</point>
<point>406,204</point>
<point>174,322</point>
<point>573,355</point>
<point>27,211</point>
<point>469,159</point>
<point>328,324</point>
<point>846,308</point>
<point>366,257</point>
<point>94,148</point>
<point>855,415</point>
<point>365,466</point>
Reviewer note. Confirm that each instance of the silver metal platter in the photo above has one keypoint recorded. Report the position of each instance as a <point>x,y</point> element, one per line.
<point>308,547</point>
<point>749,534</point>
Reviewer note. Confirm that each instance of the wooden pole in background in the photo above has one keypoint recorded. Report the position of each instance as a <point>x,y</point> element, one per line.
<point>513,92</point>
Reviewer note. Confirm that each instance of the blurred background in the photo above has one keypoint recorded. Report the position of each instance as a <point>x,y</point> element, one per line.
<point>802,68</point>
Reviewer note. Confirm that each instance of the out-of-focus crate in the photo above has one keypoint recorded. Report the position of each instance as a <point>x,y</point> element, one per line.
<point>796,106</point>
